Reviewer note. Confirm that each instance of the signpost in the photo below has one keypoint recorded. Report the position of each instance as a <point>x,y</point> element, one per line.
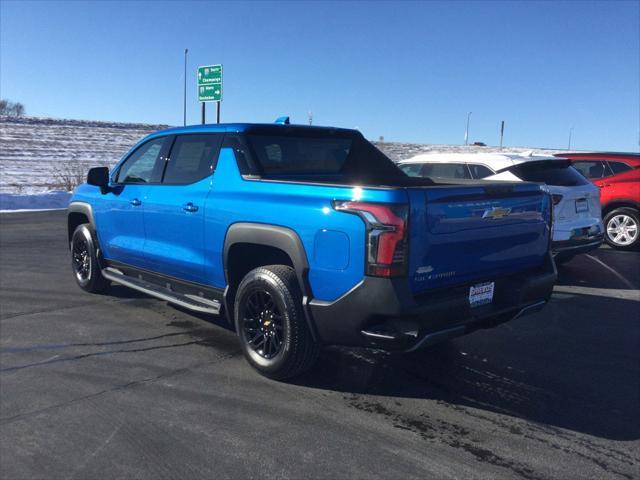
<point>210,87</point>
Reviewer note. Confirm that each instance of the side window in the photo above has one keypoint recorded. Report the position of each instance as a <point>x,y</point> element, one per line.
<point>192,158</point>
<point>590,168</point>
<point>619,167</point>
<point>445,170</point>
<point>411,169</point>
<point>140,165</point>
<point>479,171</point>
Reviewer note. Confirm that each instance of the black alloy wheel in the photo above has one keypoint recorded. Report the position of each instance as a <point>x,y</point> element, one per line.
<point>263,324</point>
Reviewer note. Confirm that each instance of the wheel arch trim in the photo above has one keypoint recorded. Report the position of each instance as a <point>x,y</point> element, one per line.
<point>275,236</point>
<point>83,208</point>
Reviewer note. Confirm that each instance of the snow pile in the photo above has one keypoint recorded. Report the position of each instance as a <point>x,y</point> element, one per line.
<point>43,201</point>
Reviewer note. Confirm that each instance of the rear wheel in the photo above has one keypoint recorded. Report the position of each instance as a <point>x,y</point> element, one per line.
<point>622,228</point>
<point>84,261</point>
<point>270,323</point>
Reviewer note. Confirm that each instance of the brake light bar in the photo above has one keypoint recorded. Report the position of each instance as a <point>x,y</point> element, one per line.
<point>386,235</point>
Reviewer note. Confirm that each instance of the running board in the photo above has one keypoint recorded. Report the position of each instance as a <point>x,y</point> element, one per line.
<point>192,302</point>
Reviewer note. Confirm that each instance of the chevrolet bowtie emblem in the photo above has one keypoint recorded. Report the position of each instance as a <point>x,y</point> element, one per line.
<point>496,212</point>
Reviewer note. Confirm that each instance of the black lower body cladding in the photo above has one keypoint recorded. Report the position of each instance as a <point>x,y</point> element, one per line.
<point>384,313</point>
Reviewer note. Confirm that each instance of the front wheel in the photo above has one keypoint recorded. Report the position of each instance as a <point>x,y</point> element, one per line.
<point>84,261</point>
<point>621,228</point>
<point>270,323</point>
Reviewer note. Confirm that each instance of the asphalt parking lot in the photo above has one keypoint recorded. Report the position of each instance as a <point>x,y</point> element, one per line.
<point>126,386</point>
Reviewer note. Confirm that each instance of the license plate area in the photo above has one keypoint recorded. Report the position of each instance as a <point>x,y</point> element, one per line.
<point>582,205</point>
<point>481,294</point>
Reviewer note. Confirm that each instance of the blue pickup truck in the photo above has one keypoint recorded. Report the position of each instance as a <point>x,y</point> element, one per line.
<point>309,236</point>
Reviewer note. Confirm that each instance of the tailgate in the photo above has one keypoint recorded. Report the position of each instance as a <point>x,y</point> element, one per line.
<point>466,233</point>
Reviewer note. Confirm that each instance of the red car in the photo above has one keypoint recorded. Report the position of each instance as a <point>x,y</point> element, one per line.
<point>618,177</point>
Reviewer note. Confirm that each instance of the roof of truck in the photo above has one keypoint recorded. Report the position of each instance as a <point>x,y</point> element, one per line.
<point>247,127</point>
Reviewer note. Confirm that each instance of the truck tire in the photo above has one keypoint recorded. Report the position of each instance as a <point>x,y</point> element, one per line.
<point>84,261</point>
<point>270,323</point>
<point>622,228</point>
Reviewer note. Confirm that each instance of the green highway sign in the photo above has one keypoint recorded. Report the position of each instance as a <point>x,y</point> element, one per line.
<point>210,83</point>
<point>209,93</point>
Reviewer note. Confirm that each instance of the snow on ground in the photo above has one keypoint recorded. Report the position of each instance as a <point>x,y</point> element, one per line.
<point>33,150</point>
<point>11,202</point>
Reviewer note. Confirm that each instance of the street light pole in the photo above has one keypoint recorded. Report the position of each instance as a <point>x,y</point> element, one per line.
<point>570,133</point>
<point>184,99</point>
<point>466,132</point>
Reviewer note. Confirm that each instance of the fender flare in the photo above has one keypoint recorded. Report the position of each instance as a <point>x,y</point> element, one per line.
<point>83,208</point>
<point>282,238</point>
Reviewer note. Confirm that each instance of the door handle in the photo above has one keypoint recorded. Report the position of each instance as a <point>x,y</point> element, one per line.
<point>135,202</point>
<point>190,207</point>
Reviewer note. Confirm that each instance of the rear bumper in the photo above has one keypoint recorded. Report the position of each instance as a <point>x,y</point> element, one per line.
<point>383,313</point>
<point>580,240</point>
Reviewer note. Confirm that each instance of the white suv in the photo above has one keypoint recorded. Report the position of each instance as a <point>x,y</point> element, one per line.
<point>577,217</point>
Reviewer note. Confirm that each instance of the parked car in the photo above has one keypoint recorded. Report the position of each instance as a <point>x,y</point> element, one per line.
<point>306,236</point>
<point>617,175</point>
<point>577,219</point>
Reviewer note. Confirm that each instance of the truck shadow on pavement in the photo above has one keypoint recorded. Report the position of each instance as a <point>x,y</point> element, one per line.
<point>553,368</point>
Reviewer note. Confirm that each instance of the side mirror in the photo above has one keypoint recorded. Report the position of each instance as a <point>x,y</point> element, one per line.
<point>99,176</point>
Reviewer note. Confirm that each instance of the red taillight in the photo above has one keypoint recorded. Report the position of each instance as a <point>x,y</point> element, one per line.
<point>386,236</point>
<point>556,198</point>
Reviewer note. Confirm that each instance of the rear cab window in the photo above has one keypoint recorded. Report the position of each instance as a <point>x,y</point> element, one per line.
<point>319,155</point>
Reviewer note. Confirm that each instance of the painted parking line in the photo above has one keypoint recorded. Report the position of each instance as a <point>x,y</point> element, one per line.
<point>622,294</point>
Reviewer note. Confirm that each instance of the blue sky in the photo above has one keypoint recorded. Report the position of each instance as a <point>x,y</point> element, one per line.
<point>408,71</point>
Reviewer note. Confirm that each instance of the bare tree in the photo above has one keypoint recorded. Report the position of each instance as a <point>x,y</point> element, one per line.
<point>18,109</point>
<point>68,175</point>
<point>11,109</point>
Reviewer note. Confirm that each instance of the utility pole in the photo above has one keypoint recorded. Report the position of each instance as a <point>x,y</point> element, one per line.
<point>310,117</point>
<point>466,132</point>
<point>184,100</point>
<point>570,134</point>
<point>501,133</point>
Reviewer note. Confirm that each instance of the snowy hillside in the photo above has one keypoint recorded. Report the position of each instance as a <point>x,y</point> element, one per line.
<point>33,149</point>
